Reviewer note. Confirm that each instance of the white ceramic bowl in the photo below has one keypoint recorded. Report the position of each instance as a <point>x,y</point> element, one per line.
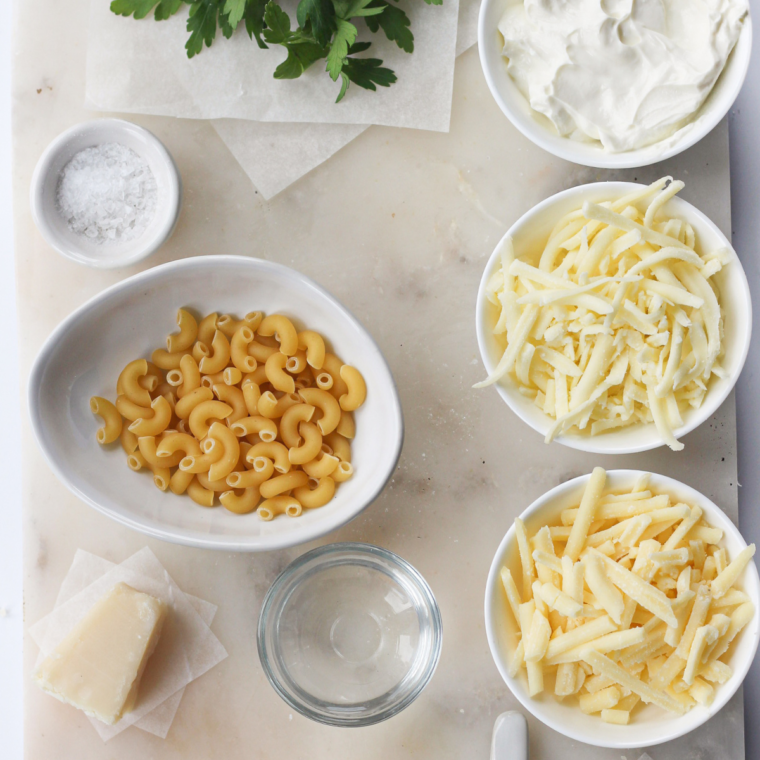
<point>529,234</point>
<point>650,725</point>
<point>87,351</point>
<point>53,226</point>
<point>541,131</point>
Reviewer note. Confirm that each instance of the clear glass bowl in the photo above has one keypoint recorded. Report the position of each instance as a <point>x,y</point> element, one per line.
<point>349,634</point>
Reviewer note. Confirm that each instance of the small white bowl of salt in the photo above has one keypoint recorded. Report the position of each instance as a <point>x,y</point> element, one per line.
<point>106,193</point>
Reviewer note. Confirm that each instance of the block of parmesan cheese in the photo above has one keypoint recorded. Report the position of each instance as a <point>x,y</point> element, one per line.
<point>98,666</point>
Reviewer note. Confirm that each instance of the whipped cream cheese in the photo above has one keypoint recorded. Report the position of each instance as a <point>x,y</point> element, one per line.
<point>628,73</point>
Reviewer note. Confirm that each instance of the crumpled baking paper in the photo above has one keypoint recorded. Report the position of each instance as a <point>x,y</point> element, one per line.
<point>142,67</point>
<point>273,154</point>
<point>187,647</point>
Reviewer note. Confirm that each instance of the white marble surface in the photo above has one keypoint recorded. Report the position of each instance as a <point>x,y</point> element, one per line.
<point>398,225</point>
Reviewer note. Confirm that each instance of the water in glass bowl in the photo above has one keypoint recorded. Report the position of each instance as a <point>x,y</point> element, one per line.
<point>349,634</point>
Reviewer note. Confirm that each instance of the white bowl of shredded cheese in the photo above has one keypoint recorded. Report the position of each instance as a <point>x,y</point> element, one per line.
<point>642,431</point>
<point>106,193</point>
<point>649,724</point>
<point>615,85</point>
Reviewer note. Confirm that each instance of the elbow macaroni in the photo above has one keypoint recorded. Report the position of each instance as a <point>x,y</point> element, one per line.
<point>357,389</point>
<point>129,386</point>
<point>312,343</point>
<point>232,396</point>
<point>250,412</point>
<point>206,329</point>
<point>311,498</point>
<point>289,423</point>
<point>166,361</point>
<point>272,407</point>
<point>219,357</point>
<point>204,414</point>
<point>187,335</point>
<point>326,404</point>
<point>311,446</point>
<point>276,374</point>
<point>112,427</point>
<point>229,325</point>
<point>281,328</point>
<point>265,429</point>
<point>232,376</point>
<point>157,423</point>
<point>230,451</point>
<point>241,339</point>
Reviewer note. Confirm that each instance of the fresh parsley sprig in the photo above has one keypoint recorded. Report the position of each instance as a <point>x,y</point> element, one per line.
<point>324,31</point>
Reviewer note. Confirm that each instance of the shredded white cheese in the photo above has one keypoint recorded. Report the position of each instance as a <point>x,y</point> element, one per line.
<point>616,321</point>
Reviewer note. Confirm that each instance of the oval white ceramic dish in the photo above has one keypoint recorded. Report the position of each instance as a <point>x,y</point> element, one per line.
<point>541,131</point>
<point>79,248</point>
<point>529,234</point>
<point>650,725</point>
<point>87,351</point>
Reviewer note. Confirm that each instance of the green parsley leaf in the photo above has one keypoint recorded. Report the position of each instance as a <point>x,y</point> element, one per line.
<point>278,24</point>
<point>347,9</point>
<point>343,86</point>
<point>321,13</point>
<point>300,57</point>
<point>395,23</point>
<point>141,8</point>
<point>224,24</point>
<point>235,10</point>
<point>254,20</point>
<point>359,47</point>
<point>290,68</point>
<point>303,49</point>
<point>368,72</point>
<point>345,36</point>
<point>167,8</point>
<point>201,23</point>
<point>341,7</point>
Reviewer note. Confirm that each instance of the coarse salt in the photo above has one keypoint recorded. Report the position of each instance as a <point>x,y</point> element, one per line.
<point>107,193</point>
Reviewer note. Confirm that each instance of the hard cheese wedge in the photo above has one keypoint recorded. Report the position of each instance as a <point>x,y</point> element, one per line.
<point>98,666</point>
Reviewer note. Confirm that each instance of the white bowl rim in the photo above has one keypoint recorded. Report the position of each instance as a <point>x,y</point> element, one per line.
<point>269,542</point>
<point>565,148</point>
<point>716,514</point>
<point>173,204</point>
<point>591,444</point>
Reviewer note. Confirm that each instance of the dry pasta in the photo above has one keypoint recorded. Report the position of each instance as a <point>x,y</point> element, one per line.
<point>248,412</point>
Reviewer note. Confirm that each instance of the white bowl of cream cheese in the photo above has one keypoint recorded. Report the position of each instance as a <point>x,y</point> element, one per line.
<point>615,84</point>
